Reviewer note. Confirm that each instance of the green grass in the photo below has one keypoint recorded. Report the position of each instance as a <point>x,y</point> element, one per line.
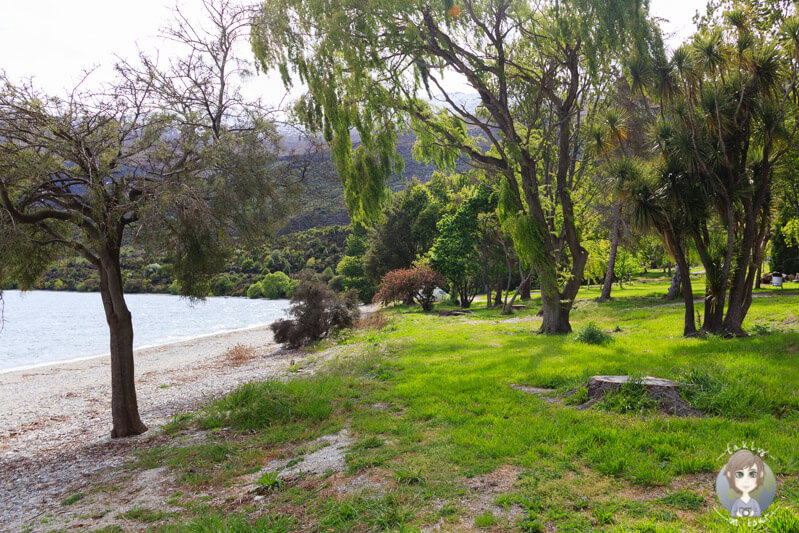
<point>453,417</point>
<point>684,500</point>
<point>141,514</point>
<point>69,500</point>
<point>485,520</point>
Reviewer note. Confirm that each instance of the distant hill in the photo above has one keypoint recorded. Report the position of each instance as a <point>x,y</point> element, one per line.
<point>324,198</point>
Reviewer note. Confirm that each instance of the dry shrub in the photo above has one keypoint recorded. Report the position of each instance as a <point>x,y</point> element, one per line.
<point>317,310</point>
<point>239,354</point>
<point>375,321</point>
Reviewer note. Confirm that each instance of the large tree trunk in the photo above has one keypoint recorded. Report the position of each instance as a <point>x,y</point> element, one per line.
<point>714,311</point>
<point>498,298</point>
<point>614,246</point>
<point>124,407</point>
<point>556,315</point>
<point>748,261</point>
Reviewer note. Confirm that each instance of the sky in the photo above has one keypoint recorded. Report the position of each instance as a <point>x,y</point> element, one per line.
<point>55,41</point>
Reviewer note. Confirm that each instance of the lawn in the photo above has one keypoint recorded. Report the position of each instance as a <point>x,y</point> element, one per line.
<point>469,423</point>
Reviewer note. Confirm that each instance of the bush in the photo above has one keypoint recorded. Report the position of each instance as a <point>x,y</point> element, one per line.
<point>255,291</point>
<point>317,310</point>
<point>222,285</point>
<point>592,334</point>
<point>407,285</point>
<point>277,285</point>
<point>336,283</point>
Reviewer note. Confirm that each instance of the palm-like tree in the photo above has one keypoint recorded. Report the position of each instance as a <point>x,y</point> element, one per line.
<point>729,99</point>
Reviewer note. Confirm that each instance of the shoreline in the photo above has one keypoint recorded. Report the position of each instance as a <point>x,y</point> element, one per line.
<point>55,428</point>
<point>42,405</point>
<point>144,348</point>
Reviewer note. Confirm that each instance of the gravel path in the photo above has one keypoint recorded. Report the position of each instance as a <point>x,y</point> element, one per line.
<point>55,421</point>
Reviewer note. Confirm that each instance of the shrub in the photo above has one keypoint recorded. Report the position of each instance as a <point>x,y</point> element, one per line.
<point>336,283</point>
<point>276,285</point>
<point>239,354</point>
<point>255,291</point>
<point>317,310</point>
<point>592,334</point>
<point>222,285</point>
<point>408,285</point>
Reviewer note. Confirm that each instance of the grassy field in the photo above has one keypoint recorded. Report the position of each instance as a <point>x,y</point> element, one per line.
<point>468,424</point>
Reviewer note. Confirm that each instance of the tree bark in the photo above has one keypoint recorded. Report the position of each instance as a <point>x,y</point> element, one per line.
<point>759,275</point>
<point>556,315</point>
<point>524,288</point>
<point>676,282</point>
<point>689,322</point>
<point>614,245</point>
<point>124,407</point>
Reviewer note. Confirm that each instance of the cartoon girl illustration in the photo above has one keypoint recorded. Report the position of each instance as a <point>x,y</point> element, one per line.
<point>745,473</point>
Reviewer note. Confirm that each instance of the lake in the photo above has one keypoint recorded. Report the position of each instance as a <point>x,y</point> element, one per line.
<point>42,327</point>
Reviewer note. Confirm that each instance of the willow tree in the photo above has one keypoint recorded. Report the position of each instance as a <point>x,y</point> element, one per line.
<point>536,68</point>
<point>84,174</point>
<point>729,117</point>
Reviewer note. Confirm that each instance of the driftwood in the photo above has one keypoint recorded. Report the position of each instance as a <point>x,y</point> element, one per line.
<point>664,391</point>
<point>455,312</point>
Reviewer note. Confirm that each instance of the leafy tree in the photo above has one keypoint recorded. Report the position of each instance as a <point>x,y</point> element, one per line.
<point>730,102</point>
<point>350,268</point>
<point>276,285</point>
<point>535,67</point>
<point>406,232</point>
<point>181,169</point>
<point>454,254</point>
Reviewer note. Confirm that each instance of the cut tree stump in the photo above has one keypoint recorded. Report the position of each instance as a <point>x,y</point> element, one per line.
<point>664,391</point>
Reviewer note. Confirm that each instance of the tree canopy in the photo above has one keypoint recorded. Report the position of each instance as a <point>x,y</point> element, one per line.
<point>184,170</point>
<point>537,68</point>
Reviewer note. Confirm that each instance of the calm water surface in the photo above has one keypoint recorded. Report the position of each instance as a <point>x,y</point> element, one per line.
<point>43,327</point>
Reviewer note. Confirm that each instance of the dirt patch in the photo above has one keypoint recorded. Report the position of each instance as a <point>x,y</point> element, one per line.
<point>482,494</point>
<point>374,480</point>
<point>103,502</point>
<point>327,457</point>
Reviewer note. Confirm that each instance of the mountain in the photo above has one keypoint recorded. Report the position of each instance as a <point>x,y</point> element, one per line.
<point>323,200</point>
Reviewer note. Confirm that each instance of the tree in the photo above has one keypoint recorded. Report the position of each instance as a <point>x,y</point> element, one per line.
<point>406,231</point>
<point>665,202</point>
<point>729,118</point>
<point>350,268</point>
<point>82,174</point>
<point>407,285</point>
<point>454,254</point>
<point>535,67</point>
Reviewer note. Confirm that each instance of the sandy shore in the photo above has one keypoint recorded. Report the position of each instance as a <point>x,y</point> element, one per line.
<point>55,421</point>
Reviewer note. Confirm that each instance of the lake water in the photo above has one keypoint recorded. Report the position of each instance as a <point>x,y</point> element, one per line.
<point>43,327</point>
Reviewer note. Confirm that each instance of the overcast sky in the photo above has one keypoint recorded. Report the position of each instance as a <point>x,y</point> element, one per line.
<point>53,41</point>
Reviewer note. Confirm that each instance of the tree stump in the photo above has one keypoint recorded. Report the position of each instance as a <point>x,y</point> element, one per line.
<point>664,391</point>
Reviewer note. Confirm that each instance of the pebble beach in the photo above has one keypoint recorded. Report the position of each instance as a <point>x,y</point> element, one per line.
<point>55,421</point>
